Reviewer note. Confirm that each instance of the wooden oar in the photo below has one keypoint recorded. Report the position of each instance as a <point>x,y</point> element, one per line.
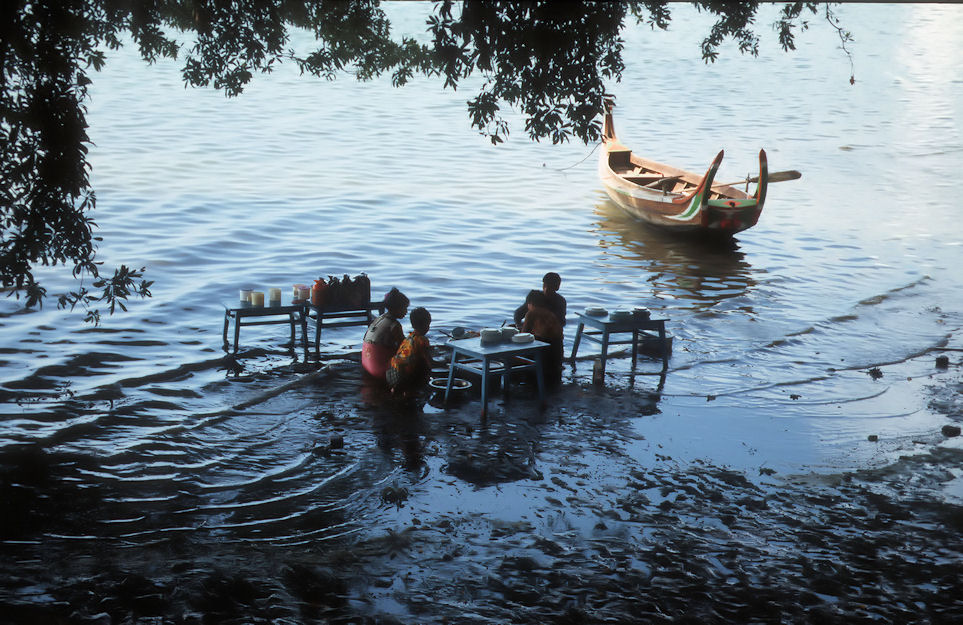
<point>776,176</point>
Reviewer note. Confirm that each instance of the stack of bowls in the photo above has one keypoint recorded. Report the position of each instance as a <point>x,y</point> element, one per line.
<point>490,336</point>
<point>621,315</point>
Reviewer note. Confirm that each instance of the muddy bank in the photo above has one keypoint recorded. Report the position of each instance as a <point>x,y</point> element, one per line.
<point>527,517</point>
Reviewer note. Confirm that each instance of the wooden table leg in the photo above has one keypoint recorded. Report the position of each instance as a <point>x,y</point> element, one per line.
<point>506,376</point>
<point>540,378</point>
<point>237,330</point>
<point>635,346</point>
<point>484,383</point>
<point>605,348</point>
<point>317,331</point>
<point>578,338</point>
<point>451,374</point>
<point>664,344</point>
<point>227,321</point>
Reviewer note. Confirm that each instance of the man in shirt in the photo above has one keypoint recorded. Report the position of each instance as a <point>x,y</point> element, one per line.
<point>554,302</point>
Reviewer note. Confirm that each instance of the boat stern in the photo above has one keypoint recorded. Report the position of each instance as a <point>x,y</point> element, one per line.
<point>732,215</point>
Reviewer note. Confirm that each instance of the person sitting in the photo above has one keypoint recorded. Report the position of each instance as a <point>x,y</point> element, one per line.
<point>555,302</point>
<point>411,365</point>
<point>384,335</point>
<point>544,324</point>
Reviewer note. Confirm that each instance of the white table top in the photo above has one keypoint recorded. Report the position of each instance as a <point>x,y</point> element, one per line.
<point>474,347</point>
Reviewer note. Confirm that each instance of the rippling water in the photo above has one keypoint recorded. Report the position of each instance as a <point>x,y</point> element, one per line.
<point>854,266</point>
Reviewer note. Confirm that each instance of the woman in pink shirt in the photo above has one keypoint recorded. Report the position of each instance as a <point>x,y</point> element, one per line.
<point>384,335</point>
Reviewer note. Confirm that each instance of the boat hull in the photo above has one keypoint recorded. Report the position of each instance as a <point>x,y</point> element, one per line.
<point>675,199</point>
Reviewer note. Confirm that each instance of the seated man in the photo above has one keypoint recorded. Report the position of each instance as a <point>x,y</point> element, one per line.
<point>554,302</point>
<point>544,324</point>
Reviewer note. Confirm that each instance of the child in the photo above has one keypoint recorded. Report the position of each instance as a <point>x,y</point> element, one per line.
<point>411,364</point>
<point>384,335</point>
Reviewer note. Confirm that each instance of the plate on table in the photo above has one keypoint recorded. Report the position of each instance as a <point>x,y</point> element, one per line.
<point>523,337</point>
<point>596,311</point>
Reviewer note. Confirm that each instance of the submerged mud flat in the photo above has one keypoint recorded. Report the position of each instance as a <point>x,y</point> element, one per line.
<point>527,517</point>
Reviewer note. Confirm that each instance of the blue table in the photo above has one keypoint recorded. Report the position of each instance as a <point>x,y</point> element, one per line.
<point>267,315</point>
<point>495,359</point>
<point>605,327</point>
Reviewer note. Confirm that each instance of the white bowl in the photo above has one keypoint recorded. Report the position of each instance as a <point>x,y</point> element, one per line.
<point>491,335</point>
<point>458,384</point>
<point>523,337</point>
<point>621,315</point>
<point>596,311</point>
<point>508,333</point>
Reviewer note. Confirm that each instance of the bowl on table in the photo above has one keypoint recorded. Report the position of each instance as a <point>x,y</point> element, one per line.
<point>523,337</point>
<point>508,333</point>
<point>490,336</point>
<point>596,311</point>
<point>622,315</point>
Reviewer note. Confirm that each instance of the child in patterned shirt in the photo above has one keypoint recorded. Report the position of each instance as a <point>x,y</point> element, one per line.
<point>411,365</point>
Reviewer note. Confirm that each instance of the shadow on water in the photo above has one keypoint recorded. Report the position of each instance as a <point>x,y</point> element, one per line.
<point>398,424</point>
<point>477,450</point>
<point>700,270</point>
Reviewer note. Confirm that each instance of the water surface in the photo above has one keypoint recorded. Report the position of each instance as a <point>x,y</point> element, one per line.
<point>852,268</point>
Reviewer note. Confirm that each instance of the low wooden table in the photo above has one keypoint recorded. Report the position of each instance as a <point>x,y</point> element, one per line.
<point>359,316</point>
<point>267,315</point>
<point>495,359</point>
<point>606,327</point>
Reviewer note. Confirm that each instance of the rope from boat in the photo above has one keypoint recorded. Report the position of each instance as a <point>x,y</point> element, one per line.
<point>583,160</point>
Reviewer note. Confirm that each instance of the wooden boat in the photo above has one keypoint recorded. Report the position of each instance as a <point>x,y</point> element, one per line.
<point>676,199</point>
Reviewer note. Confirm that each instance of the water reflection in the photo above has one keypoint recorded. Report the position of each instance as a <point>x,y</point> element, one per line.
<point>703,272</point>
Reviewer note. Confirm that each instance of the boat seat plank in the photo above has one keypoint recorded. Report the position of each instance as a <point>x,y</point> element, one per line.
<point>643,180</point>
<point>620,158</point>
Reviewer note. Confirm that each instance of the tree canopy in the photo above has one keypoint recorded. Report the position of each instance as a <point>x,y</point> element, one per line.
<point>551,60</point>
